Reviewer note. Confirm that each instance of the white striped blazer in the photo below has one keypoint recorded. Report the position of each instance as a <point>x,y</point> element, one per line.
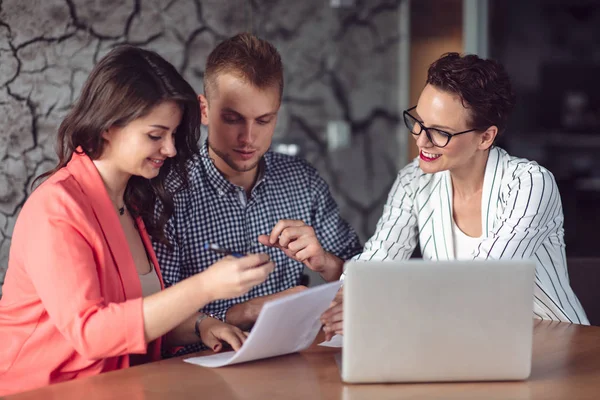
<point>522,218</point>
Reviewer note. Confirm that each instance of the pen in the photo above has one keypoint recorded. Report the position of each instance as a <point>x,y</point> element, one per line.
<point>218,249</point>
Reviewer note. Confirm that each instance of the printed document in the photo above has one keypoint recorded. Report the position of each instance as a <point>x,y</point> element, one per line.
<point>285,325</point>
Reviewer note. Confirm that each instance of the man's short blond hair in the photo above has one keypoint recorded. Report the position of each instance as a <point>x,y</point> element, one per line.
<point>254,60</point>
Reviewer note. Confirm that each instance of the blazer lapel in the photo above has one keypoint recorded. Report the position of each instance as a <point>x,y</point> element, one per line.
<point>491,191</point>
<point>84,171</point>
<point>443,230</point>
<point>436,216</point>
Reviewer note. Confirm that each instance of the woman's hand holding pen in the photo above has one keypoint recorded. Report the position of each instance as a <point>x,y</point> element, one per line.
<point>232,277</point>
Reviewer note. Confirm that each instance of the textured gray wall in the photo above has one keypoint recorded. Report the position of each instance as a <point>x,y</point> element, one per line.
<point>340,64</point>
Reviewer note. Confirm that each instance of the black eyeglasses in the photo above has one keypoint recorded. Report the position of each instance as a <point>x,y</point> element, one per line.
<point>437,137</point>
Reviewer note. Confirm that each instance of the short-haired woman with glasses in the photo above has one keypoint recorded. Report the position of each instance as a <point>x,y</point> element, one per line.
<point>464,198</point>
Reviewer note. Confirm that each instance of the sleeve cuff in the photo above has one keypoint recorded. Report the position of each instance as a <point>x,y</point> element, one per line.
<point>133,321</point>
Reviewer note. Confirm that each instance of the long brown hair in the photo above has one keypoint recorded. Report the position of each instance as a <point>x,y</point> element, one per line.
<point>126,84</point>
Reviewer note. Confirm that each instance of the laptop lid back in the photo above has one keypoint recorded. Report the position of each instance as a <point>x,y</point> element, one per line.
<point>416,321</point>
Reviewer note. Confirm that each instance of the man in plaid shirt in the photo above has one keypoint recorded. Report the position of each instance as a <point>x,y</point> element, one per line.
<point>247,199</point>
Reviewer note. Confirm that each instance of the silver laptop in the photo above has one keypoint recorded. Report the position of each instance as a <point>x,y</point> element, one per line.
<point>433,321</point>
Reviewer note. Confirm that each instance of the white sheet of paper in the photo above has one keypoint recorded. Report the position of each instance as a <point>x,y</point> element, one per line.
<point>284,326</point>
<point>335,341</point>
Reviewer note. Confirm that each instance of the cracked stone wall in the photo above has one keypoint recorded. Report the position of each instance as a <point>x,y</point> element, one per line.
<point>341,64</point>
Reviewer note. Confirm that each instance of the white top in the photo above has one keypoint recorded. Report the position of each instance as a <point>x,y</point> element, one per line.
<point>464,245</point>
<point>150,282</point>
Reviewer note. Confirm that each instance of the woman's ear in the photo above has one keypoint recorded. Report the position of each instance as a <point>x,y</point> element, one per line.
<point>109,134</point>
<point>488,137</point>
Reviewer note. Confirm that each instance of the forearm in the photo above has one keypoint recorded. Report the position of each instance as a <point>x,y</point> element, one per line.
<point>184,333</point>
<point>244,315</point>
<point>170,308</point>
<point>333,267</point>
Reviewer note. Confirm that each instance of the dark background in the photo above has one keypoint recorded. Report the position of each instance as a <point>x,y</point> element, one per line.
<point>551,49</point>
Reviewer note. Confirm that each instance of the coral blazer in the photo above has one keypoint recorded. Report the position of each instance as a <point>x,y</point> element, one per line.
<point>72,298</point>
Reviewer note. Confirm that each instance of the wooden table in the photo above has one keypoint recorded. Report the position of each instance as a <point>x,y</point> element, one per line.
<point>566,365</point>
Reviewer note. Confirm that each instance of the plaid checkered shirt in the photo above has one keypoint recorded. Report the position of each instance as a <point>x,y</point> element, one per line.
<point>211,209</point>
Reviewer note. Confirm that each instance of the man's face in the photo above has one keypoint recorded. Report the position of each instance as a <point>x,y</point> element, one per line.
<point>241,121</point>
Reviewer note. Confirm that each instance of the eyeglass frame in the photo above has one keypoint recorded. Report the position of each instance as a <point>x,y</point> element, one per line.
<point>426,129</point>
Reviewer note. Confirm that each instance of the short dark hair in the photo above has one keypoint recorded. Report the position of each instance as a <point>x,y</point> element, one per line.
<point>483,86</point>
<point>125,85</point>
<point>252,59</point>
